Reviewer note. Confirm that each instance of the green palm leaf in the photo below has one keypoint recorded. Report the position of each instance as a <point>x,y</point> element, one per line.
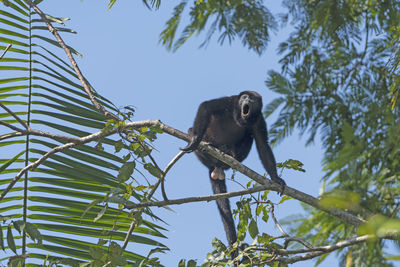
<point>60,201</point>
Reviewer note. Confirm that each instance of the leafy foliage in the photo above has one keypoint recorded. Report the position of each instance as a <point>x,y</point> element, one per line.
<point>249,20</point>
<point>337,81</point>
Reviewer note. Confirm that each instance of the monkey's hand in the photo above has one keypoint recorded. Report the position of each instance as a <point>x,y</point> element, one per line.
<point>281,182</point>
<point>192,146</point>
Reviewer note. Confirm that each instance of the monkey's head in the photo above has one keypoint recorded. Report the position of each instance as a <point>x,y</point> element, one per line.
<point>248,107</point>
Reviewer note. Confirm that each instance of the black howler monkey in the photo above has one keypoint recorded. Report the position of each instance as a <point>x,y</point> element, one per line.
<point>231,124</point>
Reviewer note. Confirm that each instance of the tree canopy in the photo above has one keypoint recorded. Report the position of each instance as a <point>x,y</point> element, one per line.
<point>64,201</point>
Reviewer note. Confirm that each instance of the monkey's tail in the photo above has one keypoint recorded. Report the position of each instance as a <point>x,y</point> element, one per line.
<point>219,186</point>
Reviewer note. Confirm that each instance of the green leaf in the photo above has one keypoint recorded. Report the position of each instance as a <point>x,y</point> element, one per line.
<point>291,164</point>
<point>153,170</point>
<point>340,200</point>
<point>111,3</point>
<point>265,238</point>
<point>102,242</point>
<point>19,225</point>
<point>101,213</point>
<point>218,245</point>
<point>33,232</point>
<point>118,146</point>
<point>347,132</point>
<point>265,216</point>
<point>259,209</point>
<point>126,171</point>
<point>253,228</point>
<point>284,198</point>
<point>10,161</point>
<point>392,258</point>
<point>10,240</point>
<point>182,263</point>
<point>191,263</point>
<point>273,106</point>
<point>380,225</point>
<point>96,253</point>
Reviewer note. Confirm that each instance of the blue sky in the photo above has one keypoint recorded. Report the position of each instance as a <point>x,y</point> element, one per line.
<point>124,62</point>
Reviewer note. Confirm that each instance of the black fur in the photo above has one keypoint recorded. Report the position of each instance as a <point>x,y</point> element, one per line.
<point>231,124</point>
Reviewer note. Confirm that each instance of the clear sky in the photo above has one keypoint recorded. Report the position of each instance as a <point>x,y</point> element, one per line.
<point>124,62</point>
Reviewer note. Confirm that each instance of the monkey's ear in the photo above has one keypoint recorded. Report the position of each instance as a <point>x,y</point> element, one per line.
<point>192,146</point>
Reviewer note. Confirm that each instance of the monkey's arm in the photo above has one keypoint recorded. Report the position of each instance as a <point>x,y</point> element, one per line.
<point>203,117</point>
<point>265,152</point>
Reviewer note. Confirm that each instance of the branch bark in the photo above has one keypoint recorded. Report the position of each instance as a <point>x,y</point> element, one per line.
<point>160,180</point>
<point>15,116</point>
<point>296,194</point>
<point>318,251</point>
<point>196,199</point>
<point>269,184</point>
<point>5,51</point>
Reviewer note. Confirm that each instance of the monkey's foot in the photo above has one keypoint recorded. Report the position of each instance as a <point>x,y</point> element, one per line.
<point>192,146</point>
<point>282,183</point>
<point>218,174</point>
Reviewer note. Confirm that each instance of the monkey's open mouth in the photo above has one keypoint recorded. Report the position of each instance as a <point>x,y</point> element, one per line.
<point>245,110</point>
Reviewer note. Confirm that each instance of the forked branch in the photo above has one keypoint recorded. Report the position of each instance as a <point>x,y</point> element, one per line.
<point>303,197</point>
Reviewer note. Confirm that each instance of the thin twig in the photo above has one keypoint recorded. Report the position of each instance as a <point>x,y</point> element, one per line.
<point>75,66</point>
<point>128,234</point>
<point>276,221</point>
<point>12,127</point>
<point>161,180</point>
<point>15,116</point>
<point>286,236</point>
<point>11,135</point>
<point>78,141</point>
<point>155,165</point>
<point>325,249</point>
<point>5,51</point>
<point>197,199</point>
<point>34,165</point>
<point>297,239</point>
<point>318,251</point>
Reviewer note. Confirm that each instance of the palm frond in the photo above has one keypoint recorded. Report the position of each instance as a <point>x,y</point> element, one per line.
<point>65,198</point>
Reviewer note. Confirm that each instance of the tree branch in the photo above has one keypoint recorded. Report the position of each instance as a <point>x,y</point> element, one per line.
<point>164,173</point>
<point>318,251</point>
<point>269,184</point>
<point>33,165</point>
<point>11,135</point>
<point>161,180</point>
<point>15,116</point>
<point>5,51</point>
<point>312,252</point>
<point>196,199</point>
<point>12,127</point>
<point>234,164</point>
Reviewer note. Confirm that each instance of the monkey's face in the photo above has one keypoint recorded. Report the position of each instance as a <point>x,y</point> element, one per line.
<point>244,103</point>
<point>250,105</point>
